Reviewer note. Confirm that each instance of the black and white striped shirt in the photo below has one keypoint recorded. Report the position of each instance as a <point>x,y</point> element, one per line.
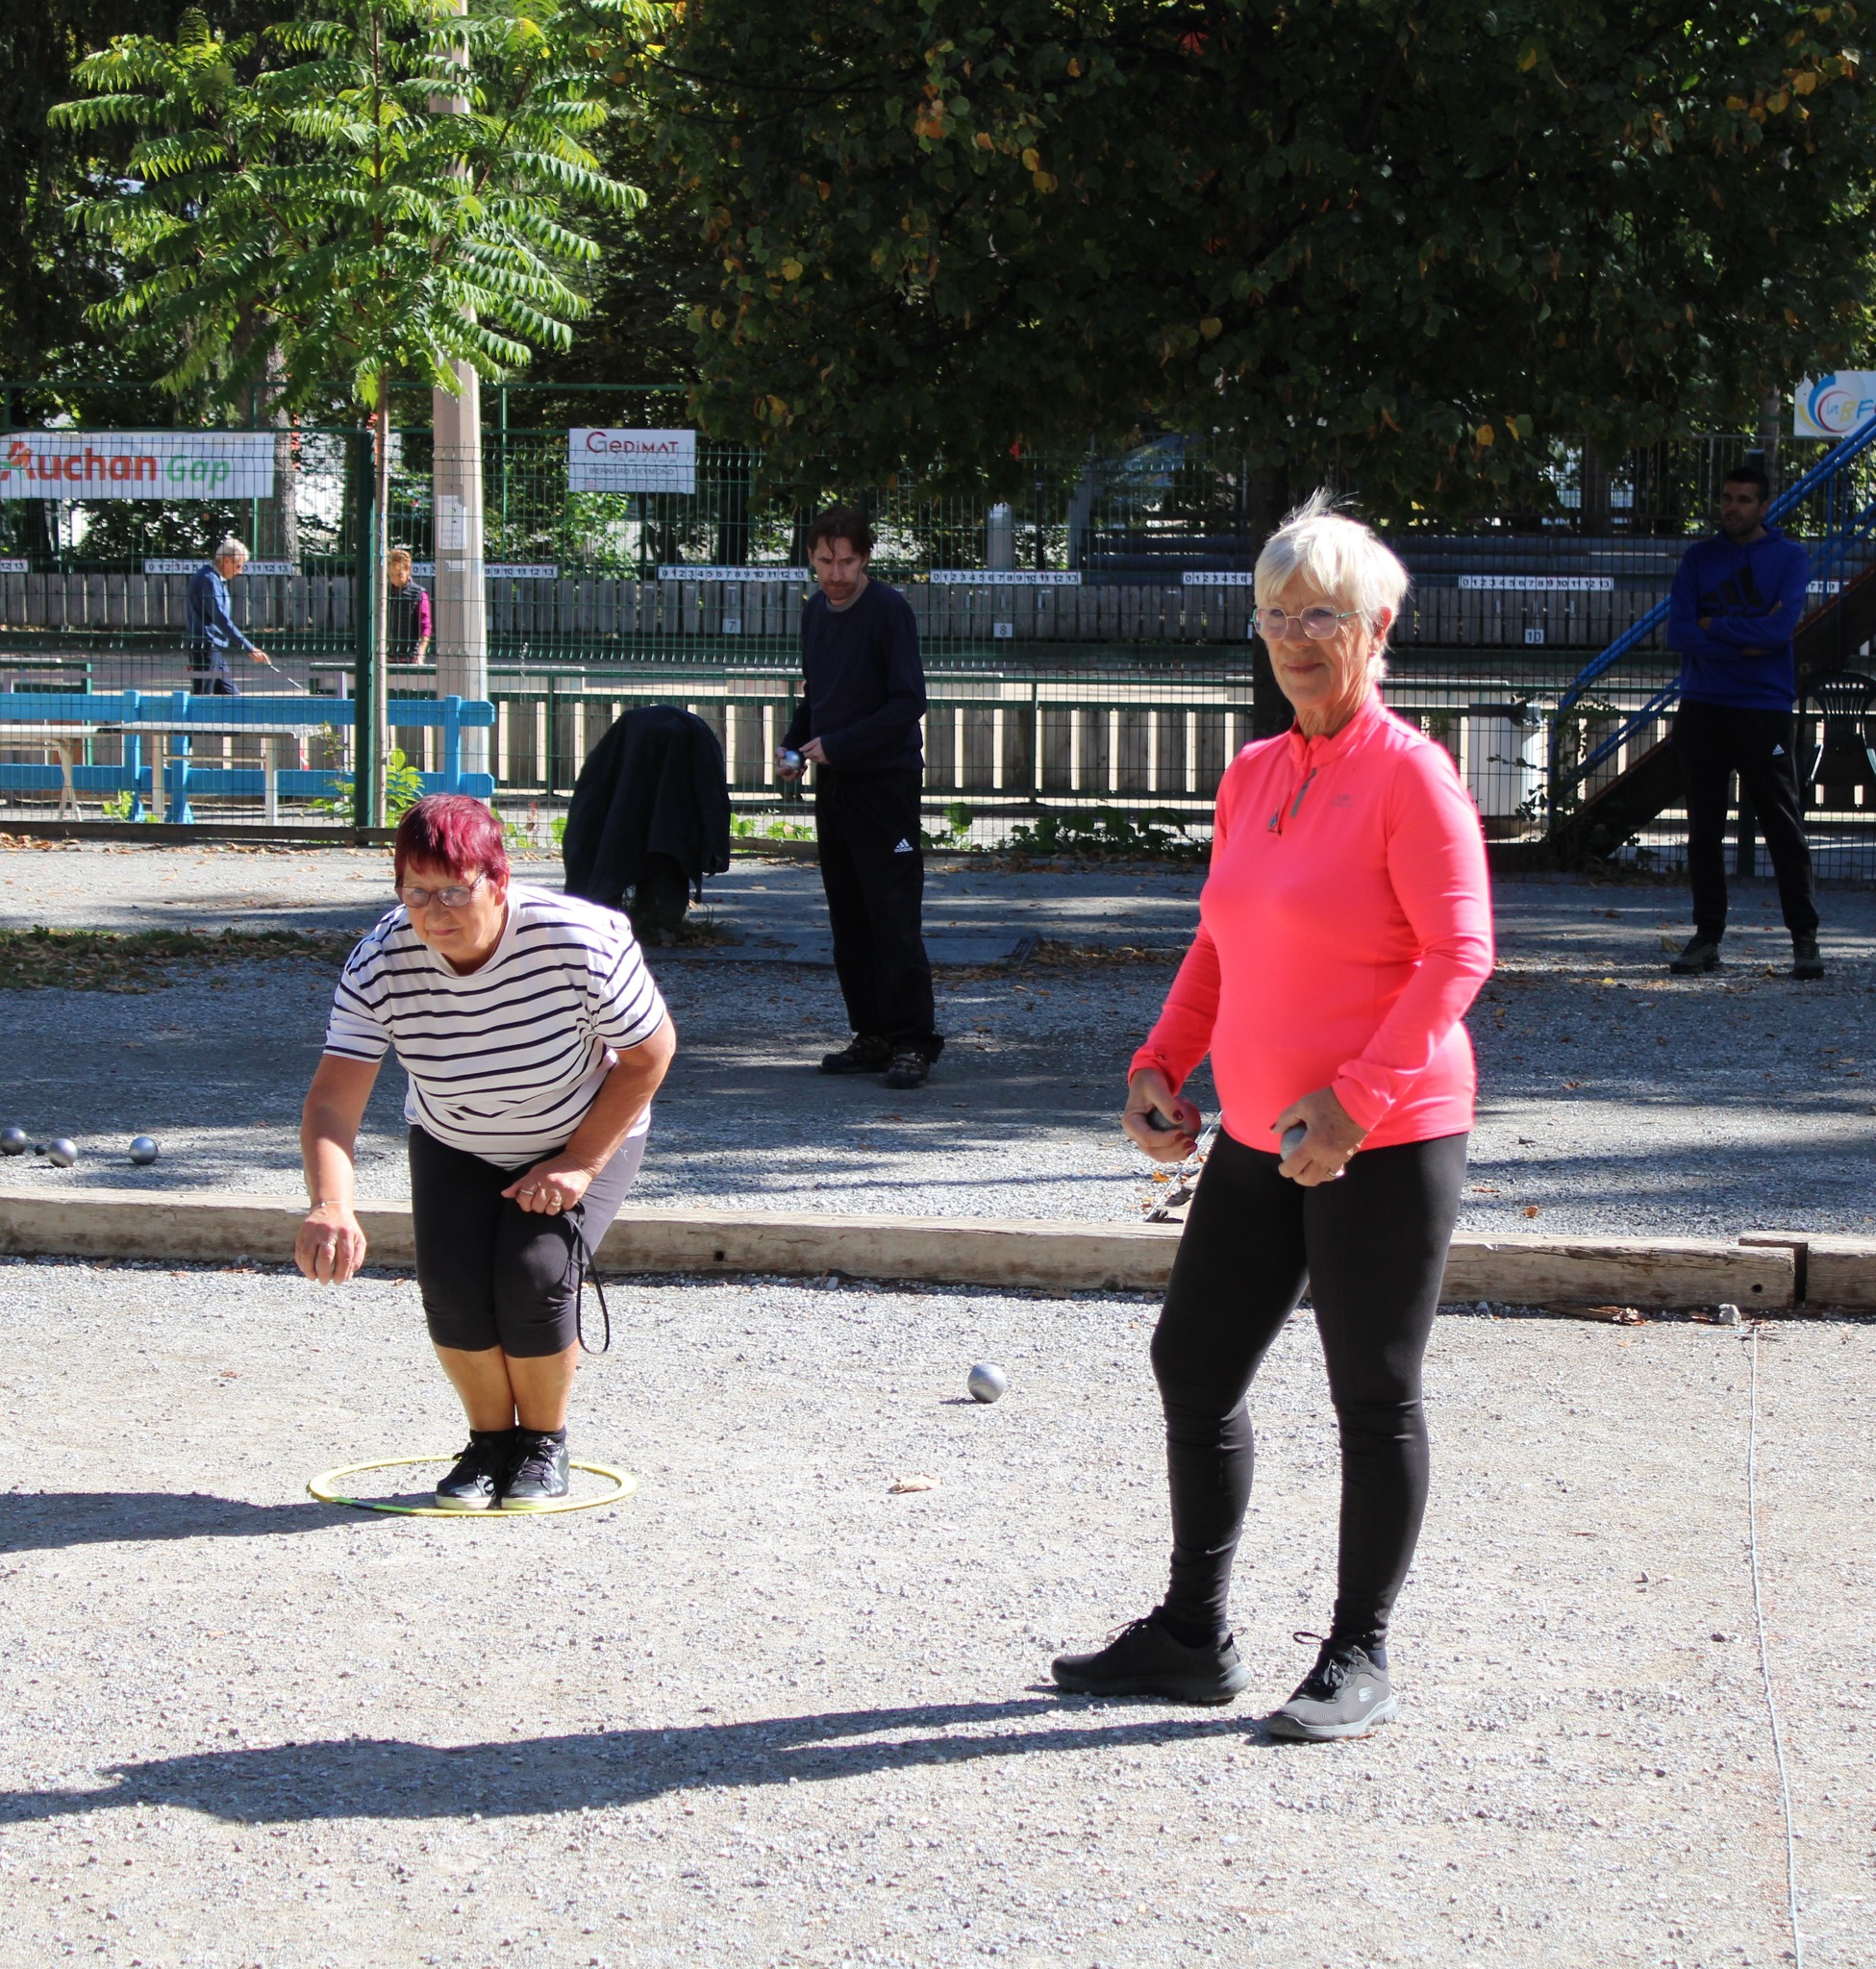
<point>504,1062</point>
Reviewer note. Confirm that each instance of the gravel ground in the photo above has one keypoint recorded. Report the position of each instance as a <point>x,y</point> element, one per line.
<point>767,1712</point>
<point>1613,1097</point>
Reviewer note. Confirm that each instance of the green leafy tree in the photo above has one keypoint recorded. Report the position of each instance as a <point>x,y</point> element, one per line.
<point>1404,244</point>
<point>368,196</point>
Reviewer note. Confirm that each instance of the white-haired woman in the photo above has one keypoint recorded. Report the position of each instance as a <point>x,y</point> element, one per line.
<point>210,635</point>
<point>1345,926</point>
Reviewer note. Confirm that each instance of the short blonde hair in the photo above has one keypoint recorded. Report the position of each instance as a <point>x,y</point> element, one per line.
<point>1336,554</point>
<point>399,554</point>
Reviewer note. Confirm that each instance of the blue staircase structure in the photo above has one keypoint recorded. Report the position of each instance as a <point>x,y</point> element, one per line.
<point>1836,500</point>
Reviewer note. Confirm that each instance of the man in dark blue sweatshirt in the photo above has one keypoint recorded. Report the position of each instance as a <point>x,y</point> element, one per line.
<point>862,696</point>
<point>1737,601</point>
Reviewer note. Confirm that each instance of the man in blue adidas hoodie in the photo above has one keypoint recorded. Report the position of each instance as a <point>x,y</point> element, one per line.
<point>1735,605</point>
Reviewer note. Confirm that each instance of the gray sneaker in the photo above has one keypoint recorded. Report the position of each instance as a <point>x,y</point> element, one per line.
<point>1343,1695</point>
<point>1144,1660</point>
<point>1702,953</point>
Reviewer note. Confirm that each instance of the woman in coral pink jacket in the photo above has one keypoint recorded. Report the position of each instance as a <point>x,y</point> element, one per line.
<point>1344,928</point>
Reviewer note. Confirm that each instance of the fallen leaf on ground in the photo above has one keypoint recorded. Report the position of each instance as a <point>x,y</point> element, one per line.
<point>901,1484</point>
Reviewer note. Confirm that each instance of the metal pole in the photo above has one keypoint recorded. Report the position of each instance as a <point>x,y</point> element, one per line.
<point>365,647</point>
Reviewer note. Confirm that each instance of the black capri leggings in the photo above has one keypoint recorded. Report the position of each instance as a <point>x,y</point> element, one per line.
<point>492,1274</point>
<point>1372,1248</point>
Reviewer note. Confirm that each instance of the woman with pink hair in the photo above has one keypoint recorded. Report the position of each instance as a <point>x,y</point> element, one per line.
<point>534,1038</point>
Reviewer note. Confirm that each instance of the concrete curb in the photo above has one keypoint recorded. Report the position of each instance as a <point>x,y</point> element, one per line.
<point>1765,1272</point>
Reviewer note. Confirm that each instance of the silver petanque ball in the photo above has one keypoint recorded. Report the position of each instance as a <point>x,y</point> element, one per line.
<point>14,1141</point>
<point>62,1152</point>
<point>986,1381</point>
<point>144,1150</point>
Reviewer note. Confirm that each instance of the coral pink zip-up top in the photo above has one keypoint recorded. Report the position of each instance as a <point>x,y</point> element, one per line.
<point>1343,930</point>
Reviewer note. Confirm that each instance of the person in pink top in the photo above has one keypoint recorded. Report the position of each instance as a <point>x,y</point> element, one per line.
<point>1344,928</point>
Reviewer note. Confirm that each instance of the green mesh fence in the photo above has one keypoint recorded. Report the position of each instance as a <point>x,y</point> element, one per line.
<point>1087,638</point>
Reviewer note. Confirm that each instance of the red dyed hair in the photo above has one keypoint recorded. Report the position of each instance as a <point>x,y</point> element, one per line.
<point>454,832</point>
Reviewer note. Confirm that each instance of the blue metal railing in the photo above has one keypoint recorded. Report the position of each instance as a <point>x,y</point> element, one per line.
<point>1844,528</point>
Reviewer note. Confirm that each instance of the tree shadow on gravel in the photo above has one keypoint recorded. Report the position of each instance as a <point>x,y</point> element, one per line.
<point>389,1779</point>
<point>49,1521</point>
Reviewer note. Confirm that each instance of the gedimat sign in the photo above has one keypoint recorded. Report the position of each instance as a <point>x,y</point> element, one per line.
<point>631,461</point>
<point>137,464</point>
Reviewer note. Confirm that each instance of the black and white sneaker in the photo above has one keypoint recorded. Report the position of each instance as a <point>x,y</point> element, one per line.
<point>1343,1695</point>
<point>536,1470</point>
<point>866,1053</point>
<point>475,1484</point>
<point>1144,1660</point>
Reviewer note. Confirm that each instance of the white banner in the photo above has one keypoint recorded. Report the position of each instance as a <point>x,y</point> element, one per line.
<point>522,570</point>
<point>1540,583</point>
<point>631,461</point>
<point>1205,579</point>
<point>15,567</point>
<point>137,464</point>
<point>799,574</point>
<point>151,566</point>
<point>1834,406</point>
<point>1003,578</point>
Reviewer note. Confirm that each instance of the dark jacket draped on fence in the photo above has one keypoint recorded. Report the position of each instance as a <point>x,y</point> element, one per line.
<point>653,786</point>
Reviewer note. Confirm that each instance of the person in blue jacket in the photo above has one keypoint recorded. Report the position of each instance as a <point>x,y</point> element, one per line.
<point>210,632</point>
<point>1737,601</point>
<point>858,724</point>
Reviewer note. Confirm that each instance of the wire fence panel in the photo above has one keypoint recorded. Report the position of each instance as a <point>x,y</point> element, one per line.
<point>1087,636</point>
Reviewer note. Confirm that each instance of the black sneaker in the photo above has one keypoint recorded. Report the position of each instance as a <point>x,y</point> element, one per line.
<point>1144,1660</point>
<point>1807,960</point>
<point>910,1068</point>
<point>1702,953</point>
<point>868,1054</point>
<point>475,1484</point>
<point>536,1470</point>
<point>1343,1695</point>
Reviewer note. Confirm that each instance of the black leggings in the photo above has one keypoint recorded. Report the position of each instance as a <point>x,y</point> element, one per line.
<point>1372,1248</point>
<point>492,1274</point>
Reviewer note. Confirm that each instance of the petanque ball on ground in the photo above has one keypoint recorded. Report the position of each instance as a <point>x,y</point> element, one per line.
<point>986,1381</point>
<point>14,1141</point>
<point>144,1150</point>
<point>62,1152</point>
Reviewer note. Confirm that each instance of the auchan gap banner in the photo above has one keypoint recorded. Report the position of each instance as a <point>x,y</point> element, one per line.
<point>137,464</point>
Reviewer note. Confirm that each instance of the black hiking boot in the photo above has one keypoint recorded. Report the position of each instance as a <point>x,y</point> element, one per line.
<point>475,1484</point>
<point>536,1470</point>
<point>1807,960</point>
<point>1702,953</point>
<point>1144,1660</point>
<point>910,1068</point>
<point>868,1054</point>
<point>1343,1695</point>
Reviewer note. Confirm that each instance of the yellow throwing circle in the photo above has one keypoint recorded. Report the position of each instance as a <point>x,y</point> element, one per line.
<point>326,1488</point>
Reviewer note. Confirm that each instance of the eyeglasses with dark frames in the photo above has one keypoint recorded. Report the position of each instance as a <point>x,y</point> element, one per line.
<point>456,897</point>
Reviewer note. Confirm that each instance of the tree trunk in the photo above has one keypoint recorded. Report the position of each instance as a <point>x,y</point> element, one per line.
<point>1266,499</point>
<point>1771,407</point>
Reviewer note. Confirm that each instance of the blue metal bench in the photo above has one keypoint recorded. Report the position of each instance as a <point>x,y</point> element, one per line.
<point>167,717</point>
